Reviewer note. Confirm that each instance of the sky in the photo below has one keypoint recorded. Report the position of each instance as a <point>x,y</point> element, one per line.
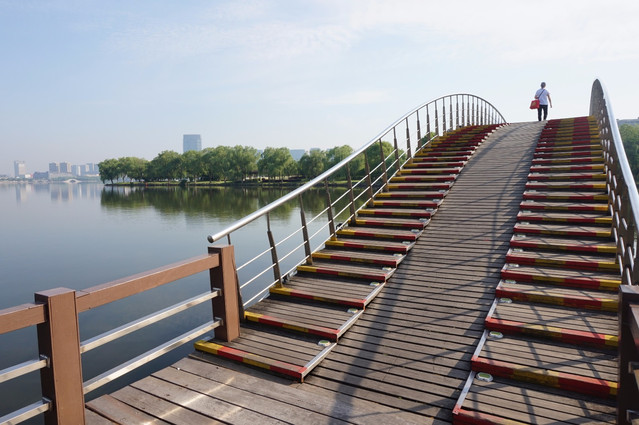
<point>86,80</point>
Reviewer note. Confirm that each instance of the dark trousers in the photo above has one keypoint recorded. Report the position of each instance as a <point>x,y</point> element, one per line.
<point>542,108</point>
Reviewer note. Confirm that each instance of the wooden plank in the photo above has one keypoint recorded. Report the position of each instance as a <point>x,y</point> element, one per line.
<point>92,418</point>
<point>121,413</point>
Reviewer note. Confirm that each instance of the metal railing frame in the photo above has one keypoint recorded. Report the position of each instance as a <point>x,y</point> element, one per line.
<point>623,203</point>
<point>473,111</point>
<point>56,311</point>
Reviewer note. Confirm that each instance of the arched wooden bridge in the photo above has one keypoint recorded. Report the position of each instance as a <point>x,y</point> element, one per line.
<point>499,303</point>
<point>478,285</point>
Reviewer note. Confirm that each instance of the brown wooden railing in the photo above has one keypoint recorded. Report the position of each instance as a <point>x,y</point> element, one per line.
<point>55,314</point>
<point>628,396</point>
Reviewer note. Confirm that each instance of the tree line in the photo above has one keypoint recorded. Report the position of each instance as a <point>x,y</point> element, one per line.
<point>235,164</point>
<point>630,136</point>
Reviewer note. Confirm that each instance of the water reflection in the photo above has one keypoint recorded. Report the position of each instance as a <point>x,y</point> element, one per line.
<point>59,192</point>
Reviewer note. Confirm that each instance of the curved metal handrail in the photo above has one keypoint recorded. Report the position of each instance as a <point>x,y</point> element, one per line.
<point>328,173</point>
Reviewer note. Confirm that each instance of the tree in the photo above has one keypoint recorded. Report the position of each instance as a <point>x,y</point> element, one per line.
<point>243,162</point>
<point>335,155</point>
<point>312,164</point>
<point>166,166</point>
<point>109,170</point>
<point>193,162</point>
<point>217,163</point>
<point>133,168</point>
<point>276,162</point>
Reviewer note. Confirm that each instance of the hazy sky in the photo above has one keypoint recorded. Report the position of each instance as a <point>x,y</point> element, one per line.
<point>85,80</point>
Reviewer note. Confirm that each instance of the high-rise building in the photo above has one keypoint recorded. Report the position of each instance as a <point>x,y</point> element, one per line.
<point>65,167</point>
<point>191,142</point>
<point>54,167</point>
<point>19,168</point>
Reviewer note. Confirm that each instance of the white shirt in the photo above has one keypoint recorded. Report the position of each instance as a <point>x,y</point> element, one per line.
<point>542,95</point>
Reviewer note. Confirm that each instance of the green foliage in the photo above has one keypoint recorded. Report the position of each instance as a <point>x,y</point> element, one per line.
<point>109,170</point>
<point>276,162</point>
<point>630,136</point>
<point>313,164</point>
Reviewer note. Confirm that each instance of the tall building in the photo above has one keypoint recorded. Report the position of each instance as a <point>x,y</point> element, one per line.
<point>19,168</point>
<point>65,167</point>
<point>54,167</point>
<point>191,142</point>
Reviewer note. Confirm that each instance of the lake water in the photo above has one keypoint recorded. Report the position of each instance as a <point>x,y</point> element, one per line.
<point>80,235</point>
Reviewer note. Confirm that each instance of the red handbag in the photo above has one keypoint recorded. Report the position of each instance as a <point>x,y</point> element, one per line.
<point>534,104</point>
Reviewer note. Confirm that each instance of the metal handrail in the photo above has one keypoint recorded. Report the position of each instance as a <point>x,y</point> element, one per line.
<point>448,114</point>
<point>325,175</point>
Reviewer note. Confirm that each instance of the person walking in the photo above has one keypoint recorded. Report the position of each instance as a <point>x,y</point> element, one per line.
<point>544,100</point>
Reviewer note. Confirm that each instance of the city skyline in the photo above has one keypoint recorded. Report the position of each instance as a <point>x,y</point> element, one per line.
<point>90,81</point>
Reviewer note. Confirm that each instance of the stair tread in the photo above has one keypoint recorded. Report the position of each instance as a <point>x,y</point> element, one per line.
<point>573,230</point>
<point>569,277</point>
<point>391,259</point>
<point>566,176</point>
<point>566,195</point>
<point>419,186</point>
<point>565,259</point>
<point>383,233</point>
<point>573,297</point>
<point>568,244</point>
<point>575,217</point>
<point>424,178</point>
<point>564,206</point>
<point>421,194</point>
<point>371,272</point>
<point>357,243</point>
<point>328,290</point>
<point>417,223</point>
<point>557,186</point>
<point>409,203</point>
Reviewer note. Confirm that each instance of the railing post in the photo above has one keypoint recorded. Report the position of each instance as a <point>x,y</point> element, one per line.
<point>463,116</point>
<point>384,170</point>
<point>351,196</point>
<point>457,110</point>
<point>627,393</point>
<point>397,164</point>
<point>274,258</point>
<point>408,148</point>
<point>329,211</point>
<point>436,120</point>
<point>428,122</point>
<point>59,341</point>
<point>307,243</point>
<point>226,307</point>
<point>419,133</point>
<point>451,113</point>
<point>444,115</point>
<point>369,181</point>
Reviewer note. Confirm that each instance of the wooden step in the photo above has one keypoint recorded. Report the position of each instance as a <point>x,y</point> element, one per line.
<point>428,171</point>
<point>405,203</point>
<point>423,178</point>
<point>443,153</point>
<point>550,153</point>
<point>348,292</point>
<point>562,230</point>
<point>560,259</point>
<point>568,177</point>
<point>396,223</point>
<point>563,244</point>
<point>559,186</point>
<point>371,273</point>
<point>326,321</point>
<point>545,364</point>
<point>600,207</point>
<point>569,149</point>
<point>545,294</point>
<point>570,218</point>
<point>437,164</point>
<point>283,353</point>
<point>568,160</point>
<point>419,186</point>
<point>380,233</point>
<point>586,279</point>
<point>370,245</point>
<point>412,194</point>
<point>416,213</point>
<point>571,326</point>
<point>359,256</point>
<point>430,159</point>
<point>553,169</point>
<point>540,195</point>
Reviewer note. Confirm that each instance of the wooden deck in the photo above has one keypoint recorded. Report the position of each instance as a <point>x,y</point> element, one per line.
<point>408,357</point>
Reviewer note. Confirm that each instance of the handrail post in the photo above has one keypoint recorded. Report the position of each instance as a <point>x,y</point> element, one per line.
<point>627,393</point>
<point>351,196</point>
<point>274,258</point>
<point>384,171</point>
<point>436,120</point>
<point>59,341</point>
<point>329,211</point>
<point>428,122</point>
<point>451,113</point>
<point>419,133</point>
<point>307,243</point>
<point>396,147</point>
<point>226,307</point>
<point>457,110</point>
<point>444,115</point>
<point>408,148</point>
<point>369,181</point>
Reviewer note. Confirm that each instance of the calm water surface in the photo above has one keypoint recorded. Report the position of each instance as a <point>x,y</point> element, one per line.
<point>80,235</point>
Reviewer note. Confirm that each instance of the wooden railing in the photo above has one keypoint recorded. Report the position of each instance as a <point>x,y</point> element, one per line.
<point>623,201</point>
<point>55,314</point>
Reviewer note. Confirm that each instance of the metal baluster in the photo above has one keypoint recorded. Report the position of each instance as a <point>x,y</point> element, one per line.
<point>428,122</point>
<point>444,115</point>
<point>463,114</point>
<point>369,181</point>
<point>350,192</point>
<point>450,100</point>
<point>307,242</point>
<point>396,149</point>
<point>329,203</point>
<point>419,133</point>
<point>408,148</point>
<point>384,171</point>
<point>457,110</point>
<point>436,120</point>
<point>276,263</point>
